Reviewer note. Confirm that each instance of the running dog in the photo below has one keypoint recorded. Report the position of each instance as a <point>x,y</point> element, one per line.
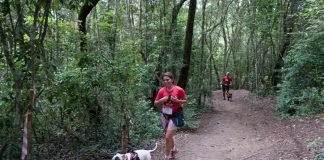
<point>229,96</point>
<point>141,154</point>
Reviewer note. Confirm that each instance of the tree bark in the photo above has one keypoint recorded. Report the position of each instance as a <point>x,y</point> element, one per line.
<point>28,51</point>
<point>174,17</point>
<point>288,26</point>
<point>202,51</point>
<point>45,18</point>
<point>129,16</point>
<point>141,50</point>
<point>82,18</point>
<point>171,33</point>
<point>125,129</point>
<point>184,73</point>
<point>116,23</point>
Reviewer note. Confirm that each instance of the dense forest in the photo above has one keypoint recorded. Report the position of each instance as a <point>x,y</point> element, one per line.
<point>83,74</point>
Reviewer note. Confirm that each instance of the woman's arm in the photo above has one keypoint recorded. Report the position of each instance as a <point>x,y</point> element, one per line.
<point>160,101</point>
<point>184,100</point>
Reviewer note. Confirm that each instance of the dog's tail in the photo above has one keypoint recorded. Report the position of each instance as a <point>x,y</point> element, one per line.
<point>153,148</point>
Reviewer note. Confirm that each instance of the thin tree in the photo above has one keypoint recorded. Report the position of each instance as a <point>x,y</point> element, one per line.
<point>82,18</point>
<point>184,72</point>
<point>202,50</point>
<point>289,21</point>
<point>171,32</point>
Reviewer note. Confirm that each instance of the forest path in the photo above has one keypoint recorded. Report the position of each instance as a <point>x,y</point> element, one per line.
<point>245,129</point>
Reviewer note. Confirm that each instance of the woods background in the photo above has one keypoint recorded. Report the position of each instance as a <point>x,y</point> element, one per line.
<point>95,65</point>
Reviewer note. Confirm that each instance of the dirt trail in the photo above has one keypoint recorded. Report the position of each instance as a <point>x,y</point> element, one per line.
<point>246,129</point>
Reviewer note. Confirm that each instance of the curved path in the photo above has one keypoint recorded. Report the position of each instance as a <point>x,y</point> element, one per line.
<point>245,129</point>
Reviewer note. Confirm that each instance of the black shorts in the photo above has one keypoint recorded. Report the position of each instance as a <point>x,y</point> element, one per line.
<point>225,88</point>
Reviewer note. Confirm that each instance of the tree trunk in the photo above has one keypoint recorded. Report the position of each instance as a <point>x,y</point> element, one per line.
<point>172,31</point>
<point>174,17</point>
<point>225,44</point>
<point>141,50</point>
<point>223,21</point>
<point>129,16</point>
<point>82,18</point>
<point>288,26</point>
<point>202,52</point>
<point>10,49</point>
<point>116,22</point>
<point>125,129</point>
<point>184,73</point>
<point>17,105</point>
<point>24,73</point>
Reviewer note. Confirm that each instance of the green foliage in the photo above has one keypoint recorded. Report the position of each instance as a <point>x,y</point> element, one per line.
<point>316,146</point>
<point>145,123</point>
<point>302,89</point>
<point>84,108</point>
<point>192,110</point>
<point>115,90</point>
<point>320,155</point>
<point>190,121</point>
<point>4,8</point>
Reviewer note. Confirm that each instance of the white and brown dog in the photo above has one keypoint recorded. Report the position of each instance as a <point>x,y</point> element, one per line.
<point>141,154</point>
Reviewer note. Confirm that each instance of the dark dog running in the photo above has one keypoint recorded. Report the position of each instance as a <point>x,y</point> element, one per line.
<point>229,96</point>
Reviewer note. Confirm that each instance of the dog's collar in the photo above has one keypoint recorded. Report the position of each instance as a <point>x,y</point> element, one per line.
<point>133,156</point>
<point>126,157</point>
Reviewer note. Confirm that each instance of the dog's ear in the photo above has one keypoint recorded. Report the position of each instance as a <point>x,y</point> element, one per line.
<point>116,156</point>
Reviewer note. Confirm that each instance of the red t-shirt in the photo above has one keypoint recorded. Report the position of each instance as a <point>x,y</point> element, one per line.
<point>227,80</point>
<point>175,92</point>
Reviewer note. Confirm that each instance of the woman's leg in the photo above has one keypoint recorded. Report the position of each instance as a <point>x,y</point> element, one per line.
<point>169,133</point>
<point>223,88</point>
<point>169,141</point>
